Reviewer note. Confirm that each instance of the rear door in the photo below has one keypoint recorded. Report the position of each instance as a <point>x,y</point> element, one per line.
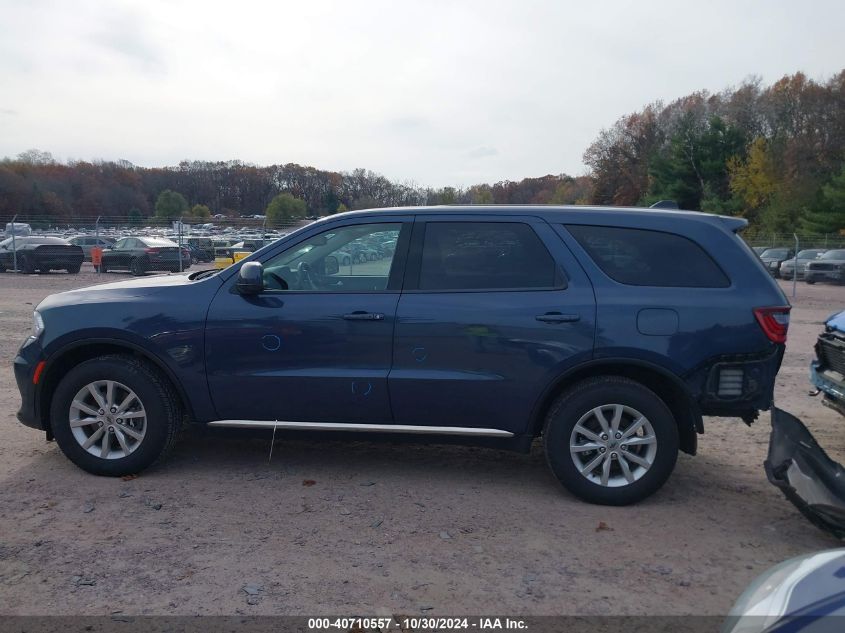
<point>493,309</point>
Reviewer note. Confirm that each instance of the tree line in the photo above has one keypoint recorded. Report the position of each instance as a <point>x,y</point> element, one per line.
<point>773,154</point>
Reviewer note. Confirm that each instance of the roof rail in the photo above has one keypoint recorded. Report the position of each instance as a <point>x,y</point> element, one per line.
<point>665,204</point>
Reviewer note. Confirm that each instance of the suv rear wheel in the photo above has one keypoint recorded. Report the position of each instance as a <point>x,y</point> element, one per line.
<point>114,415</point>
<point>610,440</point>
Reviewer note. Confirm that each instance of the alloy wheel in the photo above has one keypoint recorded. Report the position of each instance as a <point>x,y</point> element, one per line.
<point>107,419</point>
<point>613,445</point>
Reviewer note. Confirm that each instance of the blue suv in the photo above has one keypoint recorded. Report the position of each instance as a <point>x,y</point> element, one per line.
<point>608,333</point>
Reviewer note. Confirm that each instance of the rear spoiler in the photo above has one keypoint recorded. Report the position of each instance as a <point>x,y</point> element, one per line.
<point>734,224</point>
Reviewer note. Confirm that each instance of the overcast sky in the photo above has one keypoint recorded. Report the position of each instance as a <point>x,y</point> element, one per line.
<point>439,93</point>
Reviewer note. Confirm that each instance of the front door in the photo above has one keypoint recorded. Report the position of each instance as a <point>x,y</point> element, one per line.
<point>315,346</point>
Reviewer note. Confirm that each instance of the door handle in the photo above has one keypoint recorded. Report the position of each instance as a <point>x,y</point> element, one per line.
<point>557,317</point>
<point>360,315</point>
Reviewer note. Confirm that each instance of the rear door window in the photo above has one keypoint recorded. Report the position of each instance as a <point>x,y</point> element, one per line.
<point>639,257</point>
<point>485,256</point>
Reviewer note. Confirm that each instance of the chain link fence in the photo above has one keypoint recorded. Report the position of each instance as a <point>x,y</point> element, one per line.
<point>787,240</point>
<point>46,224</point>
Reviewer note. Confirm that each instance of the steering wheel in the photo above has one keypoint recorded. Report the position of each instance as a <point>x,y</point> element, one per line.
<point>304,274</point>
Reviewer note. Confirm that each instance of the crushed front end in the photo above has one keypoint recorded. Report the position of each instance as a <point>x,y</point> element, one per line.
<point>827,372</point>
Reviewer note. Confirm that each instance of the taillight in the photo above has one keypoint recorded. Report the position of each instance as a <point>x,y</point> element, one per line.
<point>151,250</point>
<point>774,321</point>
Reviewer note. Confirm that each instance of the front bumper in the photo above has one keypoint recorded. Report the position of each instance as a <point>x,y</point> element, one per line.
<point>805,474</point>
<point>24,367</point>
<point>825,275</point>
<point>831,384</point>
<point>787,273</point>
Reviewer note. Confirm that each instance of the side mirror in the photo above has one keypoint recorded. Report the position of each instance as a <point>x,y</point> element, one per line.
<point>250,279</point>
<point>331,266</point>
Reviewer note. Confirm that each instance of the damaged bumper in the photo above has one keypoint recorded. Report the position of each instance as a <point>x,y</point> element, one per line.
<point>831,384</point>
<point>812,481</point>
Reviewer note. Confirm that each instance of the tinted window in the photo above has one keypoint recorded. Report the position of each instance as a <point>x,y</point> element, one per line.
<point>358,257</point>
<point>775,253</point>
<point>833,255</point>
<point>40,240</point>
<point>484,256</point>
<point>649,258</point>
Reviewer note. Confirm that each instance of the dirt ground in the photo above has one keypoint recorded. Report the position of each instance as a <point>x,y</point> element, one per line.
<point>389,528</point>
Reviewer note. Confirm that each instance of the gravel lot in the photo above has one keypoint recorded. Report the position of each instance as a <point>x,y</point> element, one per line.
<point>375,528</point>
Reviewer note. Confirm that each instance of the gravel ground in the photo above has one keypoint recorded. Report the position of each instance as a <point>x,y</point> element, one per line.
<point>374,528</point>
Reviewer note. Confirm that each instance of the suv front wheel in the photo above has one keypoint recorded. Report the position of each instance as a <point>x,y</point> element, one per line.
<point>114,415</point>
<point>610,440</point>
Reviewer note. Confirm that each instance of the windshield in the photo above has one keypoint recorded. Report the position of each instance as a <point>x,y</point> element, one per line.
<point>809,254</point>
<point>834,255</point>
<point>775,252</point>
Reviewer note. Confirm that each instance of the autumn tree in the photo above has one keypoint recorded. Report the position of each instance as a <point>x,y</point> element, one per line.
<point>135,217</point>
<point>170,205</point>
<point>285,207</point>
<point>200,211</point>
<point>754,180</point>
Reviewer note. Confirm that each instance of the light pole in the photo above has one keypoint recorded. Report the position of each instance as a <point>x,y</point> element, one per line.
<point>14,244</point>
<point>795,266</point>
<point>180,244</point>
<point>97,245</point>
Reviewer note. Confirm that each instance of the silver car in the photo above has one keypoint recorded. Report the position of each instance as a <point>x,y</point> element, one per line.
<point>788,267</point>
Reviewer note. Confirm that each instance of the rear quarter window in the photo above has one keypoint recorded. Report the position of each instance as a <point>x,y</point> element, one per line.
<point>641,257</point>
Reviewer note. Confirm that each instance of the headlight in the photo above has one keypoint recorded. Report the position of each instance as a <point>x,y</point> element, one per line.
<point>37,329</point>
<point>37,324</point>
<point>773,264</point>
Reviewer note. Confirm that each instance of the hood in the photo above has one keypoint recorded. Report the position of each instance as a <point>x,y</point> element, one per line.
<point>121,290</point>
<point>837,321</point>
<point>829,260</point>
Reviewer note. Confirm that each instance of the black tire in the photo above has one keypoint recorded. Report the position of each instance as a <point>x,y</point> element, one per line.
<point>2,267</point>
<point>102,268</point>
<point>137,267</point>
<point>74,270</point>
<point>25,264</point>
<point>159,401</point>
<point>578,401</point>
<point>810,280</point>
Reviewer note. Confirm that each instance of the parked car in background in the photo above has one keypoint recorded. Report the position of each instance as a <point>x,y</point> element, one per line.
<point>18,228</point>
<point>87,242</point>
<point>760,249</point>
<point>140,255</point>
<point>774,257</point>
<point>827,371</point>
<point>610,333</point>
<point>199,255</point>
<point>202,248</point>
<point>40,254</point>
<point>803,258</point>
<point>828,267</point>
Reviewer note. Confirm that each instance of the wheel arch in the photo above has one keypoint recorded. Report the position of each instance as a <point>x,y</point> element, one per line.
<point>73,354</point>
<point>666,385</point>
